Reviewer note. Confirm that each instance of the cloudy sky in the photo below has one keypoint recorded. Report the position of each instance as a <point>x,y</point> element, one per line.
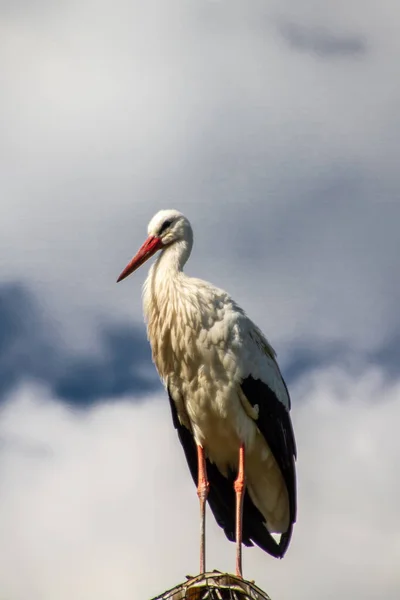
<point>273,127</point>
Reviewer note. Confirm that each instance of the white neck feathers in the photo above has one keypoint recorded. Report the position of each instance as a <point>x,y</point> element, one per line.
<point>160,289</point>
<point>172,259</point>
<point>162,303</point>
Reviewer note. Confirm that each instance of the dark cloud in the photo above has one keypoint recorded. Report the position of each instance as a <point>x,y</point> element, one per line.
<point>388,356</point>
<point>303,359</point>
<point>322,42</point>
<point>123,367</point>
<point>314,355</point>
<point>31,349</point>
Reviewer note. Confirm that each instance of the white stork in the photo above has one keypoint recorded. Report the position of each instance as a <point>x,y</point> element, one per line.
<point>229,401</point>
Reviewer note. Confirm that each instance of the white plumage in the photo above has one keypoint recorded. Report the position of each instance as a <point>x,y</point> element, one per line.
<point>224,383</point>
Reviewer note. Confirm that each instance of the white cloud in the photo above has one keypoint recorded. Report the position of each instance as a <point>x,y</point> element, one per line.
<point>100,503</point>
<point>85,508</point>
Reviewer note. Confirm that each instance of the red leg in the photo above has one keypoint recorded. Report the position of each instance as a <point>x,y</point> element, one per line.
<point>240,486</point>
<point>202,491</point>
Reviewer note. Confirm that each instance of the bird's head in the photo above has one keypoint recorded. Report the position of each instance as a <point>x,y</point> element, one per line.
<point>164,229</point>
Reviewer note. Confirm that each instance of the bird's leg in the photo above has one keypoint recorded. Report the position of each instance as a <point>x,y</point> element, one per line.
<point>240,485</point>
<point>202,491</point>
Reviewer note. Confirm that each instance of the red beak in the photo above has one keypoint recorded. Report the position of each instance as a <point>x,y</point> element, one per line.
<point>150,247</point>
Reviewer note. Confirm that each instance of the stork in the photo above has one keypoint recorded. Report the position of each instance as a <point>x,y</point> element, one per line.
<point>229,402</point>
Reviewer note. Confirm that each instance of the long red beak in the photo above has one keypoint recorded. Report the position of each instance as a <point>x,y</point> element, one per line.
<point>150,247</point>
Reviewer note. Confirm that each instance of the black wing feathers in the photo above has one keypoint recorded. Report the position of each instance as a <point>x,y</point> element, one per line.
<point>275,425</point>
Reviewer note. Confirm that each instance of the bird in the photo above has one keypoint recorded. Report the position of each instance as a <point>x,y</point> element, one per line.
<point>229,402</point>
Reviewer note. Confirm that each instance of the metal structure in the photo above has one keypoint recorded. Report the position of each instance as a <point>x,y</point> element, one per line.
<point>214,586</point>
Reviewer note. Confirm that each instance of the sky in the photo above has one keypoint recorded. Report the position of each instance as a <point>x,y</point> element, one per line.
<point>272,127</point>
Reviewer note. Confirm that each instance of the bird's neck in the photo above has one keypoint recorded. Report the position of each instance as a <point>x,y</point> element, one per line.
<point>163,306</point>
<point>165,277</point>
<point>171,261</point>
<point>161,290</point>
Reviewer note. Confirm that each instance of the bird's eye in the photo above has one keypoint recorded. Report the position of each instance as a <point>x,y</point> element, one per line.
<point>165,226</point>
